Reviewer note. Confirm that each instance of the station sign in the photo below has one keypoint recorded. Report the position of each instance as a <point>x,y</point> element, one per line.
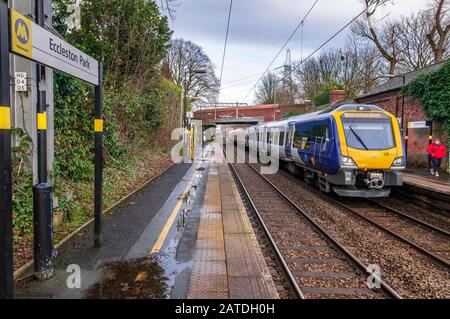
<point>418,124</point>
<point>36,43</point>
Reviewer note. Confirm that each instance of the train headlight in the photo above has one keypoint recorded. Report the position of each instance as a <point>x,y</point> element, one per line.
<point>348,162</point>
<point>399,163</point>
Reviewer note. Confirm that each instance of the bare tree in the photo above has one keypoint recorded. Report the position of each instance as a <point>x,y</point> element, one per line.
<point>440,29</point>
<point>414,47</point>
<point>268,88</point>
<point>385,39</point>
<point>356,67</point>
<point>169,7</point>
<point>186,59</point>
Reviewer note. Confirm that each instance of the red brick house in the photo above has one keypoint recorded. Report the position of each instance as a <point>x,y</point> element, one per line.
<point>389,97</point>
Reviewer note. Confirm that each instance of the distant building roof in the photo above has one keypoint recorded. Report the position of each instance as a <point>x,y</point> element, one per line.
<point>396,83</point>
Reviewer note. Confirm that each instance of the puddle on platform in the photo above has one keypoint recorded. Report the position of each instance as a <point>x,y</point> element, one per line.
<point>153,277</point>
<point>141,278</point>
<point>168,256</point>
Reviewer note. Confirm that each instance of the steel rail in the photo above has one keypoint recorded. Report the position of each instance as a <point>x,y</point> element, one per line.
<point>393,234</point>
<point>292,281</point>
<point>386,230</point>
<point>389,290</point>
<point>411,218</point>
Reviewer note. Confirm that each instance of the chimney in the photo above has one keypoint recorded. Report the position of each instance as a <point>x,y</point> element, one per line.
<point>337,96</point>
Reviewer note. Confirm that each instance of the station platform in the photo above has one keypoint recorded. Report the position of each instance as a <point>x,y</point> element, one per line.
<point>423,179</point>
<point>228,261</point>
<point>184,235</point>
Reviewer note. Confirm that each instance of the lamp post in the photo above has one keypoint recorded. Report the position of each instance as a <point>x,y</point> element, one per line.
<point>183,94</point>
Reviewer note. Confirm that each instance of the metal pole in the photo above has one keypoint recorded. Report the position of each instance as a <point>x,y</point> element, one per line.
<point>6,246</point>
<point>430,140</point>
<point>42,192</point>
<point>404,123</point>
<point>182,101</point>
<point>406,143</point>
<point>403,103</point>
<point>98,129</point>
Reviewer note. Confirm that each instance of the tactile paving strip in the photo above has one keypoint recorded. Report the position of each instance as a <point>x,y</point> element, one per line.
<point>228,261</point>
<point>209,275</point>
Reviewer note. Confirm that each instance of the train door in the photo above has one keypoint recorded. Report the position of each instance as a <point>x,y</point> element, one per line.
<point>282,142</point>
<point>289,137</point>
<point>320,146</point>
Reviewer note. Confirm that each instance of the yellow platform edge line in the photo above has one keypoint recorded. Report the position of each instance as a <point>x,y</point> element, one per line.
<point>165,231</point>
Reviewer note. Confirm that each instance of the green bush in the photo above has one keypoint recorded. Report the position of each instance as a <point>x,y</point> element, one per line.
<point>433,91</point>
<point>137,104</point>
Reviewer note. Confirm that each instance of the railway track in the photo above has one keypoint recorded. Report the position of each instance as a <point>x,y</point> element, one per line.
<point>316,265</point>
<point>429,240</point>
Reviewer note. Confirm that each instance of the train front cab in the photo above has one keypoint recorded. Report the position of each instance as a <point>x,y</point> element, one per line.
<point>371,153</point>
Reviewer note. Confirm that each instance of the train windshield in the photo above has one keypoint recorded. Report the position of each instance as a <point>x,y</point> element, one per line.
<point>368,133</point>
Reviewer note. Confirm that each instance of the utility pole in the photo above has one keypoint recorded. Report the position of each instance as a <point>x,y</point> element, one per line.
<point>404,127</point>
<point>42,192</point>
<point>6,246</point>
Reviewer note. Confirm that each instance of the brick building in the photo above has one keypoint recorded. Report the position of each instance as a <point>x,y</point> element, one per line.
<point>389,97</point>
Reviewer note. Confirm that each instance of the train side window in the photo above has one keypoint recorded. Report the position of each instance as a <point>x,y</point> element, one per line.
<point>281,141</point>
<point>297,140</point>
<point>268,138</point>
<point>307,140</point>
<point>289,138</point>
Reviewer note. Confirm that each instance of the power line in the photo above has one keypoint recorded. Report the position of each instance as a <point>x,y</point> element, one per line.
<point>225,46</point>
<point>318,49</point>
<point>282,48</point>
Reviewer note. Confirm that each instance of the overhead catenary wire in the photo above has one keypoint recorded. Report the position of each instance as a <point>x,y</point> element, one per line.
<point>225,46</point>
<point>316,50</point>
<point>283,47</point>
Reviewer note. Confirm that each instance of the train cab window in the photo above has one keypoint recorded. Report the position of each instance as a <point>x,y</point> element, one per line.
<point>369,133</point>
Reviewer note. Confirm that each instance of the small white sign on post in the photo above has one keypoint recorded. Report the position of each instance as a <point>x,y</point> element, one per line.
<point>418,124</point>
<point>20,81</point>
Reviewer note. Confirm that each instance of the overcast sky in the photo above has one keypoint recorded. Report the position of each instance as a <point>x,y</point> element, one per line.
<point>260,27</point>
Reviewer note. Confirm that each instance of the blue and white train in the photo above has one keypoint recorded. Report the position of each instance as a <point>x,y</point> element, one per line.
<point>353,150</point>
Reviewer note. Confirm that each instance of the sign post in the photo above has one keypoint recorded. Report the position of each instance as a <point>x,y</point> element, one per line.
<point>98,129</point>
<point>42,192</point>
<point>6,247</point>
<point>21,36</point>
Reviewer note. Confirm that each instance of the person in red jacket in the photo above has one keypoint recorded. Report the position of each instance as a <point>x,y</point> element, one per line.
<point>436,151</point>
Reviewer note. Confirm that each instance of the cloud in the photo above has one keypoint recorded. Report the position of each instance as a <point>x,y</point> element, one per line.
<point>260,27</point>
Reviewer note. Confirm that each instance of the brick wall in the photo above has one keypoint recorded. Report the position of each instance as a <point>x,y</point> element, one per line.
<point>337,96</point>
<point>418,138</point>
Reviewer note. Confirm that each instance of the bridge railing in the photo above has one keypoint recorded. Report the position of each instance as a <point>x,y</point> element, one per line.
<point>209,106</point>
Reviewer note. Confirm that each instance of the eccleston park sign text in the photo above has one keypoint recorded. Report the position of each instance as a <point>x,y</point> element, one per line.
<point>36,43</point>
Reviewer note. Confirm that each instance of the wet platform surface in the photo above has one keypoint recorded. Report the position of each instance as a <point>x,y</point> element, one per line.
<point>228,262</point>
<point>422,179</point>
<point>122,267</point>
